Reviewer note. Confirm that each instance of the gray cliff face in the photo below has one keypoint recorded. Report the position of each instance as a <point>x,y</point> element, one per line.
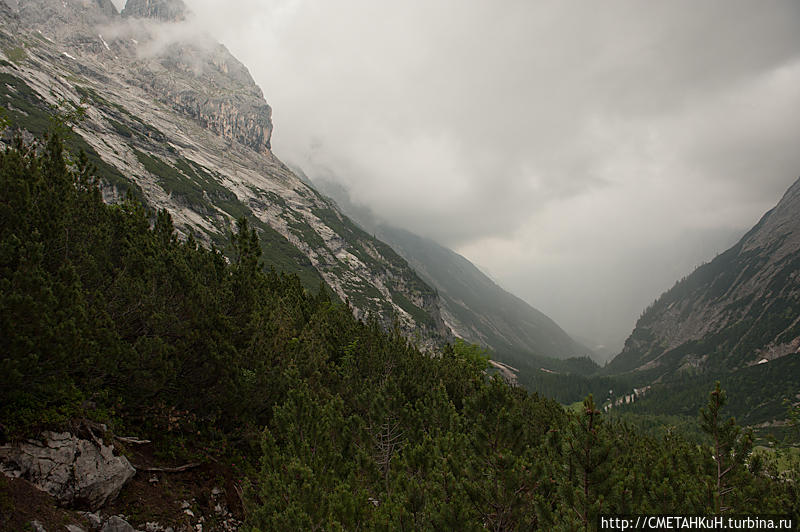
<point>183,124</point>
<point>205,82</point>
<point>166,10</point>
<point>6,12</point>
<point>741,309</point>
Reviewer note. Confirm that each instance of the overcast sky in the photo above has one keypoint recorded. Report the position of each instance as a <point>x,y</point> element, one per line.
<point>585,154</point>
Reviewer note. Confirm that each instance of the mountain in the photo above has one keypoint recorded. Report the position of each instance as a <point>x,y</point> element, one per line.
<point>151,383</point>
<point>740,310</point>
<point>169,115</point>
<point>478,309</point>
<point>248,403</point>
<point>472,305</point>
<point>172,116</point>
<point>166,10</point>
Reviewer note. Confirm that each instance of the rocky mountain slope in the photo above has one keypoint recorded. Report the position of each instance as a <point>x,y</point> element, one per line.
<point>173,117</point>
<point>739,310</point>
<point>478,309</point>
<point>472,305</point>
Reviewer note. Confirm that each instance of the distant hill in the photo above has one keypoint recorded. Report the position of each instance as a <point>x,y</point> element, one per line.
<point>739,310</point>
<point>478,309</point>
<point>735,320</point>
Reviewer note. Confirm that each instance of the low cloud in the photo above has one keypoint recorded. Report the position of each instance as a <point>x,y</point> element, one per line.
<point>154,37</point>
<point>586,155</point>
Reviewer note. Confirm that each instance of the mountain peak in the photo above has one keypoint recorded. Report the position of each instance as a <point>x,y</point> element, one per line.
<point>165,10</point>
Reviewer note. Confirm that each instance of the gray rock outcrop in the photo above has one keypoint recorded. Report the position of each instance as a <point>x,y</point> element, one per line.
<point>166,10</point>
<point>205,82</point>
<point>117,524</point>
<point>76,472</point>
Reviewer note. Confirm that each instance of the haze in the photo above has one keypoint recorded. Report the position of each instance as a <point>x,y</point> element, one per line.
<point>585,155</point>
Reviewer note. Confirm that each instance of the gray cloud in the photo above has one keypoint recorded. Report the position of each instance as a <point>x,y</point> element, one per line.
<point>586,154</point>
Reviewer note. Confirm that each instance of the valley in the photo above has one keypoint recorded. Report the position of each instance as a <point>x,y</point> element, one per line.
<point>232,344</point>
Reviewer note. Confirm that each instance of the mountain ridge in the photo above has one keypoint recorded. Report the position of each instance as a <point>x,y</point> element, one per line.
<point>182,124</point>
<point>512,321</point>
<point>738,310</point>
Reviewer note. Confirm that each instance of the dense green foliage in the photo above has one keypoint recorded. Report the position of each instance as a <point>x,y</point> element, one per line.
<point>752,403</point>
<point>105,313</point>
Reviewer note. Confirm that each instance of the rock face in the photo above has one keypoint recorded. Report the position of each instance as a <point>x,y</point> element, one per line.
<point>166,10</point>
<point>739,310</point>
<point>179,121</point>
<point>76,472</point>
<point>206,83</point>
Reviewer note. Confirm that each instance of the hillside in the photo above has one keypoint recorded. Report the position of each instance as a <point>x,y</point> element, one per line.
<point>739,310</point>
<point>192,338</point>
<point>475,307</point>
<point>171,116</point>
<point>480,311</point>
<point>735,320</point>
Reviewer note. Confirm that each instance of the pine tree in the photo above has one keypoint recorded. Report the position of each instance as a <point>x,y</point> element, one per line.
<point>587,455</point>
<point>731,446</point>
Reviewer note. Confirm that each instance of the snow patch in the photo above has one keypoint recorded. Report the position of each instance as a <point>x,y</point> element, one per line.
<point>65,53</point>
<point>104,42</point>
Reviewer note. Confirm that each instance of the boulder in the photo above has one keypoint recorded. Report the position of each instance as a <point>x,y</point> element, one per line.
<point>78,473</point>
<point>94,520</point>
<point>117,524</point>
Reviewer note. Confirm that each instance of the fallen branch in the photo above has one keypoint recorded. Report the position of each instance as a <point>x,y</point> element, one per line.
<point>168,469</point>
<point>89,425</point>
<point>241,497</point>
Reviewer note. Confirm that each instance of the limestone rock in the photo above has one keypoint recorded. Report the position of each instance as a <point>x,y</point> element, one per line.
<point>76,472</point>
<point>730,313</point>
<point>166,10</point>
<point>95,521</point>
<point>117,524</point>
